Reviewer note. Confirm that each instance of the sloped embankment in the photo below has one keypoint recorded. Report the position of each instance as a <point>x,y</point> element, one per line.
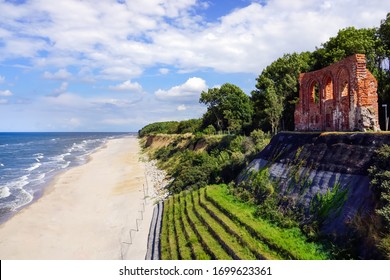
<point>209,223</point>
<point>306,165</point>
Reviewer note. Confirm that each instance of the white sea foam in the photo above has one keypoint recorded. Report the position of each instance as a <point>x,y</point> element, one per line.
<point>78,147</point>
<point>60,157</point>
<point>1,165</point>
<point>65,165</point>
<point>40,177</point>
<point>23,199</point>
<point>34,166</point>
<point>4,192</point>
<point>38,156</point>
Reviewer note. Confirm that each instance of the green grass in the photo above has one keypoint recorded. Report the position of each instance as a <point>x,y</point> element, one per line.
<point>258,248</point>
<point>209,243</point>
<point>165,248</point>
<point>172,230</point>
<point>197,250</point>
<point>290,243</point>
<point>211,223</point>
<point>227,240</point>
<point>184,249</point>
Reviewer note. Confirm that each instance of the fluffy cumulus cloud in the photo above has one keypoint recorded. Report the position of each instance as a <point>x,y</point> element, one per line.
<point>61,74</point>
<point>181,107</point>
<point>127,86</point>
<point>187,92</point>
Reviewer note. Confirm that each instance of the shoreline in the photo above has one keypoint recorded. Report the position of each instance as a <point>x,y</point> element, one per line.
<point>91,211</point>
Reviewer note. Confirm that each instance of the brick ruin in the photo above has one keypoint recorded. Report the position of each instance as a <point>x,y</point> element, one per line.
<point>340,97</point>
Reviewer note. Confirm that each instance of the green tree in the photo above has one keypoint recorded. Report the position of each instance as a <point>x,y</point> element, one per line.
<point>349,41</point>
<point>228,108</point>
<point>278,86</point>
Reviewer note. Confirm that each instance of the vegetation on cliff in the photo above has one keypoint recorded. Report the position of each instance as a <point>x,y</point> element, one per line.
<point>194,161</point>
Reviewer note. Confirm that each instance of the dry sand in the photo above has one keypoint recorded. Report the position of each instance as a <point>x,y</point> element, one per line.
<point>88,213</point>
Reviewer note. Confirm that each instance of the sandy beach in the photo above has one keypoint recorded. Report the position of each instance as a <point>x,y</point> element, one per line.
<point>88,212</point>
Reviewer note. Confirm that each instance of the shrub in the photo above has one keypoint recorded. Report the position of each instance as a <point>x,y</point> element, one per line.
<point>210,130</point>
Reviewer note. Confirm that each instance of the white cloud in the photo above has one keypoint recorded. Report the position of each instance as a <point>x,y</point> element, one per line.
<point>2,79</point>
<point>3,101</point>
<point>119,41</point>
<point>187,92</point>
<point>6,93</point>
<point>127,86</point>
<point>61,74</point>
<point>181,107</point>
<point>62,89</point>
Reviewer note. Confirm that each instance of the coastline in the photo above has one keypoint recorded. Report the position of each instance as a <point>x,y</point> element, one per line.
<point>88,211</point>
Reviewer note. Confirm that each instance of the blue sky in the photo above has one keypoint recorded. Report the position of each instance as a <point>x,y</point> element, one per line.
<point>110,65</point>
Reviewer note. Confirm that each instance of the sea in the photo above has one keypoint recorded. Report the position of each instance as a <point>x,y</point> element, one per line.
<point>30,161</point>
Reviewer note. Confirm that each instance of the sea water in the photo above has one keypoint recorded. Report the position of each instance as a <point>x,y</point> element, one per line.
<point>28,161</point>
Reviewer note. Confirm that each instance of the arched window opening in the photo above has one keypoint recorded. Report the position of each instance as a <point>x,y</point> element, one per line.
<point>315,93</point>
<point>344,88</point>
<point>328,89</point>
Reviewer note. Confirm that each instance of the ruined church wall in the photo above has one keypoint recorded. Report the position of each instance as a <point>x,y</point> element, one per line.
<point>340,97</point>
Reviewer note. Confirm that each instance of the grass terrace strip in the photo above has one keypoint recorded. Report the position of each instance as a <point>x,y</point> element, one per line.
<point>165,251</point>
<point>171,231</point>
<point>197,251</point>
<point>196,232</point>
<point>290,243</point>
<point>184,249</point>
<point>228,241</point>
<point>210,245</point>
<point>258,248</point>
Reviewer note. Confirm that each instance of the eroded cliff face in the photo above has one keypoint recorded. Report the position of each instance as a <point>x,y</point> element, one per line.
<point>307,164</point>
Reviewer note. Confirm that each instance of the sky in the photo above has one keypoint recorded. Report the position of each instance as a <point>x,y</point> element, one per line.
<point>117,65</point>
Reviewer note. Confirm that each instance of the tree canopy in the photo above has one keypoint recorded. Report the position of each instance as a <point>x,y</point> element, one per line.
<point>228,108</point>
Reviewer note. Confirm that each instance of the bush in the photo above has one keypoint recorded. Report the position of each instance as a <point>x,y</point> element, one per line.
<point>210,130</point>
<point>259,184</point>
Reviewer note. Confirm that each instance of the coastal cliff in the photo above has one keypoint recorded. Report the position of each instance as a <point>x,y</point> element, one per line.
<point>307,166</point>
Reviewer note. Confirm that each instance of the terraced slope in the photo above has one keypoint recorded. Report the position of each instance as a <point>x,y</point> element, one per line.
<point>210,224</point>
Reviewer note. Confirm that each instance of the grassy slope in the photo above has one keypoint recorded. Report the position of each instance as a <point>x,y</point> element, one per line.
<point>211,223</point>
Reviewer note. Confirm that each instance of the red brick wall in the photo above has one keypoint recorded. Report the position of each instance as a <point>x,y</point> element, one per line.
<point>347,98</point>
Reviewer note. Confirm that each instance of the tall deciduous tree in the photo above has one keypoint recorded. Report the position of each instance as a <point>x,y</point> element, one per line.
<point>279,83</point>
<point>228,108</point>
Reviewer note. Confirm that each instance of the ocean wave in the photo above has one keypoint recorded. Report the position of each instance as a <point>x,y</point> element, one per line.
<point>78,147</point>
<point>34,166</point>
<point>23,198</point>
<point>14,195</point>
<point>18,183</point>
<point>40,177</point>
<point>60,157</point>
<point>65,165</point>
<point>1,165</point>
<point>38,157</point>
